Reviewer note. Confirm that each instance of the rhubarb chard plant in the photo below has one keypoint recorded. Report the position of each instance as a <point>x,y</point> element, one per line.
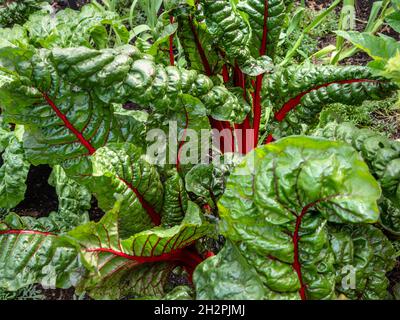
<point>203,150</point>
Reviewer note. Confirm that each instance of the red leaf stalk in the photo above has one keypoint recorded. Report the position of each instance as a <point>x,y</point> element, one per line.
<point>171,45</point>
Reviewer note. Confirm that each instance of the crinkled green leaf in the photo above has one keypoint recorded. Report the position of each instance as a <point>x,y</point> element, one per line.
<point>363,255</point>
<point>29,257</point>
<point>233,34</point>
<point>175,200</point>
<point>70,28</point>
<point>297,94</point>
<point>256,11</point>
<point>13,174</point>
<point>382,156</point>
<point>390,216</point>
<point>121,169</point>
<point>138,265</point>
<point>206,182</point>
<point>73,201</point>
<point>233,278</point>
<point>276,207</point>
<point>197,45</point>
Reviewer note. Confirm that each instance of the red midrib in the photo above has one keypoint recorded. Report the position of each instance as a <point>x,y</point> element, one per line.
<point>200,49</point>
<point>296,260</point>
<point>27,232</point>
<point>175,255</point>
<point>188,258</point>
<point>263,48</point>
<point>69,125</point>
<point>259,78</point>
<point>296,238</point>
<point>154,215</point>
<point>171,44</point>
<point>292,103</point>
<point>182,142</point>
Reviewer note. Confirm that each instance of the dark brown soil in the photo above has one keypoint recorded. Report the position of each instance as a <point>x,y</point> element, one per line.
<point>95,213</point>
<point>363,9</point>
<point>58,294</point>
<point>40,197</point>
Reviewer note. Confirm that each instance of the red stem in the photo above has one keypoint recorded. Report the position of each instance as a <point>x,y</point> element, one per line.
<point>182,142</point>
<point>171,45</point>
<point>257,108</point>
<point>69,125</point>
<point>187,256</point>
<point>259,79</point>
<point>263,49</point>
<point>269,139</point>
<point>294,102</point>
<point>206,65</point>
<point>175,255</point>
<point>225,73</point>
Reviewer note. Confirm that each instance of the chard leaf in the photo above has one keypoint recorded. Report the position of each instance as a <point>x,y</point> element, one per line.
<point>64,97</point>
<point>71,28</point>
<point>197,45</point>
<point>297,94</point>
<point>239,283</point>
<point>264,16</point>
<point>73,205</point>
<point>276,207</point>
<point>370,255</point>
<point>233,34</point>
<point>382,156</point>
<point>95,259</point>
<point>138,265</point>
<point>30,256</point>
<point>175,200</point>
<point>13,173</point>
<point>121,169</point>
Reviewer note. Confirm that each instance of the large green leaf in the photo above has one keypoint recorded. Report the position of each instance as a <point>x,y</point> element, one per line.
<point>297,94</point>
<point>29,256</point>
<point>382,156</point>
<point>275,210</point>
<point>95,259</point>
<point>64,97</point>
<point>136,266</point>
<point>235,278</point>
<point>197,45</point>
